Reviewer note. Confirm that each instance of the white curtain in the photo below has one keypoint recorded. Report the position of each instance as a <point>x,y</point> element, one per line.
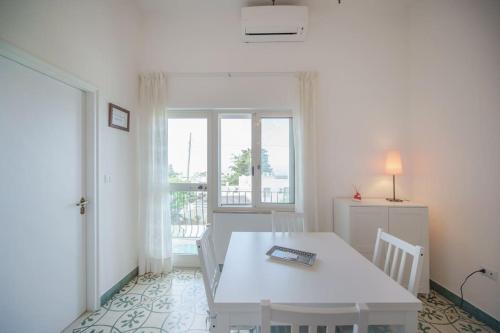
<point>155,243</point>
<point>305,149</point>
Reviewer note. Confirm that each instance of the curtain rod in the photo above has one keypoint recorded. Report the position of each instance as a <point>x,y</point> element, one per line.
<point>229,74</point>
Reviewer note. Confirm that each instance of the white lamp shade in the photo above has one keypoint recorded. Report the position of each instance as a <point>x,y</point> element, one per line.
<point>393,165</point>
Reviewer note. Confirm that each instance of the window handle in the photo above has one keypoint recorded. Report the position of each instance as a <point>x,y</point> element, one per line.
<point>253,171</point>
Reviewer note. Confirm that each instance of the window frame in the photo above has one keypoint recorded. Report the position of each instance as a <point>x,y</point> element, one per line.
<point>231,115</point>
<point>213,117</point>
<point>198,114</point>
<point>256,117</point>
<point>291,155</point>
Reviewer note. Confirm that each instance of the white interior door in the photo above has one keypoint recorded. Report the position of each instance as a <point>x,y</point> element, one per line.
<point>42,239</point>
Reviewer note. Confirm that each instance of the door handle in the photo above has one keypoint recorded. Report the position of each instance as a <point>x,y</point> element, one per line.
<point>82,204</point>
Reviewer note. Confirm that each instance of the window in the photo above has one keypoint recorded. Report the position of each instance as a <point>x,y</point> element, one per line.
<point>276,161</point>
<point>256,160</point>
<point>187,150</point>
<point>235,160</point>
<point>229,160</point>
<point>188,175</point>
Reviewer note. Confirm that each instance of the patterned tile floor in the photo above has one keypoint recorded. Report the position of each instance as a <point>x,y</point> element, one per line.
<point>176,303</point>
<point>440,315</point>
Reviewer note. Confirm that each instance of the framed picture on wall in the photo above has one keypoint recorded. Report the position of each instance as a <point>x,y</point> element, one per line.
<point>119,117</point>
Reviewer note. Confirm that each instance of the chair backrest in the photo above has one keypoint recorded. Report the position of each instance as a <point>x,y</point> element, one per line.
<point>313,317</point>
<point>287,222</point>
<point>395,266</point>
<point>209,267</point>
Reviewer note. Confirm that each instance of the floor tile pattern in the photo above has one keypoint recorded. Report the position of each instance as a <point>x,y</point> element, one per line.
<point>440,315</point>
<point>176,302</point>
<point>152,303</point>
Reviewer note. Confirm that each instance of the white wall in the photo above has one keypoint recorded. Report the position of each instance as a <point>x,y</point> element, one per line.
<point>96,41</point>
<point>455,118</point>
<point>237,91</point>
<point>360,50</point>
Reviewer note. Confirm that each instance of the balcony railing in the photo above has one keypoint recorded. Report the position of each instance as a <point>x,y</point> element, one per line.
<point>188,209</point>
<point>244,198</point>
<point>235,198</point>
<point>188,212</point>
<point>276,197</point>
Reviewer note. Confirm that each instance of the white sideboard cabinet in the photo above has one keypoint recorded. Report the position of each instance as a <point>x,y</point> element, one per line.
<point>357,223</point>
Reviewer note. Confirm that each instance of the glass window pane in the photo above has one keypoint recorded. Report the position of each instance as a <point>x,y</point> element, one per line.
<point>277,174</point>
<point>235,160</point>
<point>187,150</point>
<point>187,159</point>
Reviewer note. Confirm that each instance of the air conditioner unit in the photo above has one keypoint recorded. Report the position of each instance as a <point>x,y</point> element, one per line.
<point>274,24</point>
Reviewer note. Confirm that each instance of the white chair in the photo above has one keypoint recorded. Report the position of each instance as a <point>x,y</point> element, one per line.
<point>294,316</point>
<point>209,270</point>
<point>395,266</point>
<point>211,273</point>
<point>287,221</point>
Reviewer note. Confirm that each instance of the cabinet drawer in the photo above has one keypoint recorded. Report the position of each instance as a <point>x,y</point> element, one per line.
<point>364,224</point>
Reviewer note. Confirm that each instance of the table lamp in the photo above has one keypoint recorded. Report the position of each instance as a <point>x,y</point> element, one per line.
<point>393,167</point>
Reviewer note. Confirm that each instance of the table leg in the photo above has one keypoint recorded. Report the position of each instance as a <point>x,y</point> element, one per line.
<point>411,322</point>
<point>222,324</point>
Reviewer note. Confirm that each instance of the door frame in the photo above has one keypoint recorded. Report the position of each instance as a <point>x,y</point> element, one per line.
<point>91,96</point>
<point>191,260</point>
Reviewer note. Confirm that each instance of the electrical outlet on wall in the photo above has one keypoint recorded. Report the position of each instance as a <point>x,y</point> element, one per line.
<point>491,274</point>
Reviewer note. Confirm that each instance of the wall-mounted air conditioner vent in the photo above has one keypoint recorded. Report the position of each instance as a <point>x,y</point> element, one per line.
<point>274,23</point>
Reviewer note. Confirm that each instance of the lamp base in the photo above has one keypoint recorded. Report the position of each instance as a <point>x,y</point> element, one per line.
<point>394,200</point>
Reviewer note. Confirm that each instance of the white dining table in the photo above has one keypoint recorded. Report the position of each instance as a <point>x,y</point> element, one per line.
<point>340,276</point>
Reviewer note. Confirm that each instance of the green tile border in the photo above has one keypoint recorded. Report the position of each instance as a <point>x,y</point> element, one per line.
<point>119,285</point>
<point>476,312</point>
